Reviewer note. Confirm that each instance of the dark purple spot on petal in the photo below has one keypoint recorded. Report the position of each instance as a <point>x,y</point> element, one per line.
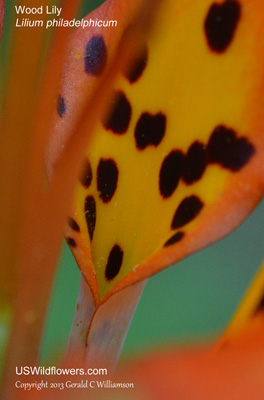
<point>260,306</point>
<point>107,178</point>
<point>194,163</point>
<point>90,215</point>
<point>86,174</point>
<point>221,23</point>
<point>228,150</point>
<point>136,68</point>
<point>150,130</point>
<point>170,173</point>
<point>188,209</point>
<point>73,224</point>
<point>114,262</point>
<point>71,242</point>
<point>119,116</point>
<point>61,106</point>
<point>95,55</point>
<point>174,239</point>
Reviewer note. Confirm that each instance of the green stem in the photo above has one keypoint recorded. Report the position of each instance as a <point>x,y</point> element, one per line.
<point>98,333</point>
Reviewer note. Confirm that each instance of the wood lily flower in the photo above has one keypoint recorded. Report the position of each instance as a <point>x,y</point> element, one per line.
<point>175,160</point>
<point>152,134</point>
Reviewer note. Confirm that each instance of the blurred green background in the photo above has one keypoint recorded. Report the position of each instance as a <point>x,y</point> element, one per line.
<point>190,301</point>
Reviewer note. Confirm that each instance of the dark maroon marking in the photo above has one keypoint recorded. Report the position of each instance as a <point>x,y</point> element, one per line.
<point>114,262</point>
<point>260,306</point>
<point>90,215</point>
<point>107,177</point>
<point>71,242</point>
<point>150,130</point>
<point>226,149</point>
<point>170,173</point>
<point>73,224</point>
<point>120,114</point>
<point>188,209</point>
<point>136,69</point>
<point>174,239</point>
<point>194,163</point>
<point>86,175</point>
<point>95,55</point>
<point>61,106</point>
<point>221,23</point>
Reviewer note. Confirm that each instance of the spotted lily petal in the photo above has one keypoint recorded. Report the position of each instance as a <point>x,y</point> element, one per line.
<point>176,161</point>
